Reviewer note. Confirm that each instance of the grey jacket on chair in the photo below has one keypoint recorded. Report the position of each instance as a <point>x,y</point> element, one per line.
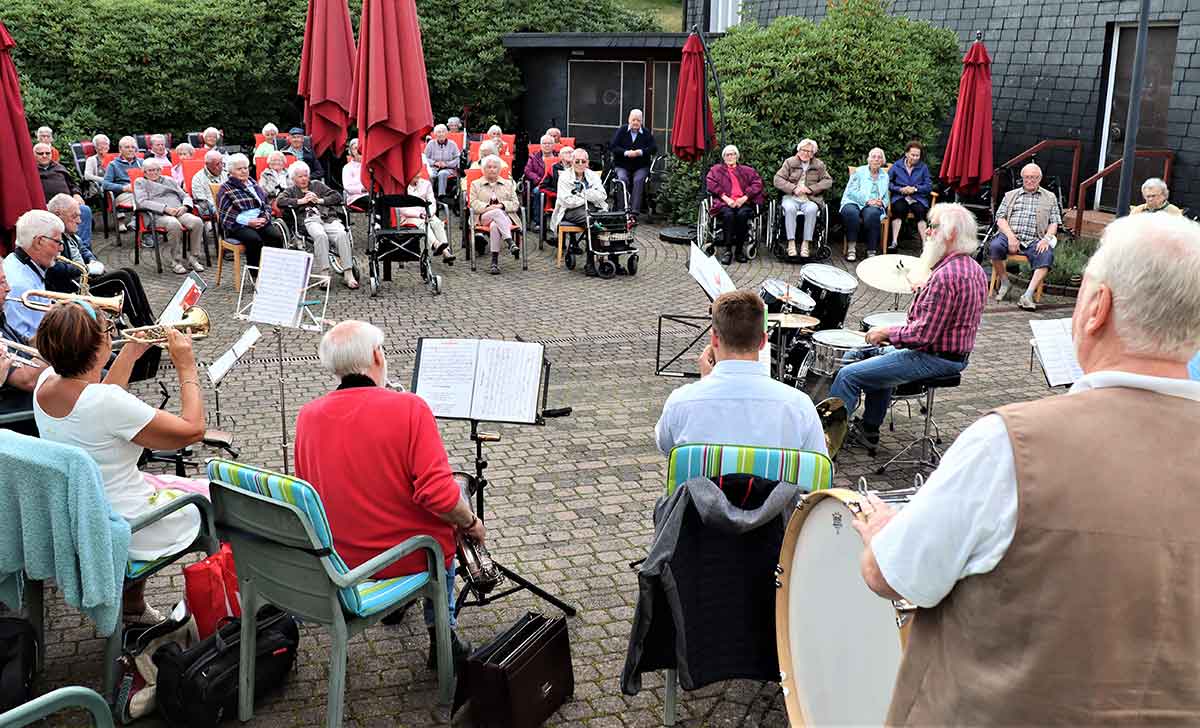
<point>158,196</point>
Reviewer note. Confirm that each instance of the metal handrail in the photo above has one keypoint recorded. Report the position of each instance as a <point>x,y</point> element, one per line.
<point>1077,158</point>
<point>1166,155</point>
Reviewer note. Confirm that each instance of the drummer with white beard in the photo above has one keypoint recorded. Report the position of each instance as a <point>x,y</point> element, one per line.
<point>942,322</point>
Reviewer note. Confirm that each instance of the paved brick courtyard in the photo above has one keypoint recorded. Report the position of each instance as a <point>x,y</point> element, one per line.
<point>569,503</point>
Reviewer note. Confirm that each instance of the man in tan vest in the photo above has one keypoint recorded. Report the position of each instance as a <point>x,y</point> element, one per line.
<point>1054,553</point>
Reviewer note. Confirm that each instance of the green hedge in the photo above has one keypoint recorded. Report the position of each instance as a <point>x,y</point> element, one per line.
<point>859,79</point>
<point>137,66</point>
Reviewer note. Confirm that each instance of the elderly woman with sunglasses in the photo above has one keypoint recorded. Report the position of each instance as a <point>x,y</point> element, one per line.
<point>580,189</point>
<point>76,403</point>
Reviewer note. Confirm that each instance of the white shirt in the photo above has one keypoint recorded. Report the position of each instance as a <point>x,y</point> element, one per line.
<point>964,519</point>
<point>739,404</point>
<point>103,423</point>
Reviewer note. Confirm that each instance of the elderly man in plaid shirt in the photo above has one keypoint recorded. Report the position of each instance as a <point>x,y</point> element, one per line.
<point>1028,218</point>
<point>942,322</point>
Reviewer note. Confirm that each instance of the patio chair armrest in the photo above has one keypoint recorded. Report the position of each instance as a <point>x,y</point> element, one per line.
<point>188,499</point>
<point>381,561</point>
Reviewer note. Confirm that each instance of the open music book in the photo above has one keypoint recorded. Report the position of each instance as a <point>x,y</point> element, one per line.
<point>282,280</point>
<point>489,380</point>
<point>1056,351</point>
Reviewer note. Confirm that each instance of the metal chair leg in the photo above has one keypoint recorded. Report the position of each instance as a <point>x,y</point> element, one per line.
<point>931,455</point>
<point>671,699</point>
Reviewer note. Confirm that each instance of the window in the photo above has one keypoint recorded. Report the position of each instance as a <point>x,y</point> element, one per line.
<point>600,95</point>
<point>666,83</point>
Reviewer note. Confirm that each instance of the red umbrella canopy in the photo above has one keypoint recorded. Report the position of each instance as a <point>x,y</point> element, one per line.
<point>21,189</point>
<point>693,125</point>
<point>967,163</point>
<point>391,94</point>
<point>327,74</point>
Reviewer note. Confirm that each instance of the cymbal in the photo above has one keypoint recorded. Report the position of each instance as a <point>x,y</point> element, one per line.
<point>794,320</point>
<point>891,273</point>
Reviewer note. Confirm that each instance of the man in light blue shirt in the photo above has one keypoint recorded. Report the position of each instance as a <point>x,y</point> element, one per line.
<point>736,402</point>
<point>39,241</point>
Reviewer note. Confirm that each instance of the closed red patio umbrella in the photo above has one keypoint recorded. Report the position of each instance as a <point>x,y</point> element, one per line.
<point>391,94</point>
<point>692,129</point>
<point>20,186</point>
<point>327,74</point>
<point>967,163</point>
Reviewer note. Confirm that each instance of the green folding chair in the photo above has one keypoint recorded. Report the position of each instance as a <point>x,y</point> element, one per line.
<point>285,556</point>
<point>74,696</point>
<point>805,468</point>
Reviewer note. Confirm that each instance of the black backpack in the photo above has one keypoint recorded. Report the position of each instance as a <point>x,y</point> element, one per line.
<point>198,687</point>
<point>18,654</point>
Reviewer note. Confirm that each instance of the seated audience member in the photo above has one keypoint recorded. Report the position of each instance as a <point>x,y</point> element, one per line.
<point>454,125</point>
<point>535,172</point>
<point>376,458</point>
<point>352,182</point>
<point>1156,194</point>
<point>496,135</point>
<point>735,189</point>
<point>246,211</point>
<point>274,179</point>
<point>442,156</point>
<point>494,203</point>
<point>159,151</point>
<point>116,177</point>
<point>93,168</point>
<point>736,402</point>
<point>939,337</point>
<point>581,189</point>
<point>1033,506</point>
<point>212,173</point>
<point>316,209</point>
<point>803,181</point>
<point>633,149</point>
<point>38,244</point>
<point>297,149</point>
<point>211,138</point>
<point>269,132</point>
<point>64,278</point>
<point>45,135</point>
<point>486,149</point>
<point>172,208</point>
<point>74,406</point>
<point>910,183</point>
<point>1028,218</point>
<point>550,182</point>
<point>21,378</point>
<point>556,134</point>
<point>182,151</point>
<point>418,186</point>
<point>864,203</point>
<point>56,180</point>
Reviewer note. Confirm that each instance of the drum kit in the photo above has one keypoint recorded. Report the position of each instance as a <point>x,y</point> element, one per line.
<point>839,643</point>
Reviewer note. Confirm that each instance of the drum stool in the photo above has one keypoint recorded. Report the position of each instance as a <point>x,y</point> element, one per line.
<point>931,455</point>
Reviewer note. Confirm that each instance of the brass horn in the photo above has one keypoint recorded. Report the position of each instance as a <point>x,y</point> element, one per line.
<point>23,356</point>
<point>84,289</point>
<point>195,323</point>
<point>112,304</point>
<point>835,422</point>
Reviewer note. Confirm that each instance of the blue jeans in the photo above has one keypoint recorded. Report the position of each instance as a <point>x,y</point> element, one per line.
<point>449,596</point>
<point>878,375</point>
<point>998,250</point>
<point>85,232</point>
<point>862,219</point>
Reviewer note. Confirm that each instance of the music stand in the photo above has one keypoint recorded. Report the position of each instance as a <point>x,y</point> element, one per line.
<point>509,382</point>
<point>714,281</point>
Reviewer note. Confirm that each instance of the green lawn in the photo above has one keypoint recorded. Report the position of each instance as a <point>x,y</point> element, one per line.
<point>668,12</point>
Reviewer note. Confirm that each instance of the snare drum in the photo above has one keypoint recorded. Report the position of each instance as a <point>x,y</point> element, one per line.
<point>839,643</point>
<point>884,319</point>
<point>829,349</point>
<point>782,298</point>
<point>830,289</point>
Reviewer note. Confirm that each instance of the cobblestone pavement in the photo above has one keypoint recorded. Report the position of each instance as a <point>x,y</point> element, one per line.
<point>569,503</point>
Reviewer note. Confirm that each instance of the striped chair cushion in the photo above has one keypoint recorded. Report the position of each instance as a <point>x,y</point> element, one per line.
<point>367,597</point>
<point>807,469</point>
<point>135,569</point>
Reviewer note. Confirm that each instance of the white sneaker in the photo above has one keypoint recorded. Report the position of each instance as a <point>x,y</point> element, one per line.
<point>179,269</point>
<point>1003,290</point>
<point>850,257</point>
<point>1027,303</point>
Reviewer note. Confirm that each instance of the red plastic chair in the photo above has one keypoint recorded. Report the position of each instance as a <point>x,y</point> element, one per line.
<point>566,142</point>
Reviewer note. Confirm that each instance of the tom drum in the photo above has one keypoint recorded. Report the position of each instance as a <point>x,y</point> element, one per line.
<point>830,289</point>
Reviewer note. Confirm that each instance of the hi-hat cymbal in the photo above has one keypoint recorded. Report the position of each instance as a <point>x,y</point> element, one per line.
<point>892,273</point>
<point>794,320</point>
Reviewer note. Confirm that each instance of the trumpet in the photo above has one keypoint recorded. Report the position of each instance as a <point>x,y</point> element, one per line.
<point>195,324</point>
<point>23,356</point>
<point>111,304</point>
<point>83,273</point>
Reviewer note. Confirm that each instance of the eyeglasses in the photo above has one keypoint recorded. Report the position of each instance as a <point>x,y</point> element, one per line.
<point>41,154</point>
<point>57,241</point>
<point>110,327</point>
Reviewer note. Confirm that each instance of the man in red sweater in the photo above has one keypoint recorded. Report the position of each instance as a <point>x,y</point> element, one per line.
<point>376,458</point>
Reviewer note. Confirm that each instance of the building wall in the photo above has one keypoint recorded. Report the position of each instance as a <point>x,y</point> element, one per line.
<point>1049,69</point>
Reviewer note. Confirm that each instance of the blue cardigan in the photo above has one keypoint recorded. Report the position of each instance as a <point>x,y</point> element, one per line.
<point>861,187</point>
<point>918,178</point>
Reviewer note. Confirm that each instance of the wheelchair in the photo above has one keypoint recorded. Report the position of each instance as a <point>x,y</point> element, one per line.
<point>777,235</point>
<point>389,241</point>
<point>296,237</point>
<point>710,234</point>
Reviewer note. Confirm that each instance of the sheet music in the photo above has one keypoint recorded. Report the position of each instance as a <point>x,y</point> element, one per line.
<point>219,368</point>
<point>188,295</point>
<point>507,377</point>
<point>282,279</point>
<point>709,273</point>
<point>446,374</point>
<point>1056,351</point>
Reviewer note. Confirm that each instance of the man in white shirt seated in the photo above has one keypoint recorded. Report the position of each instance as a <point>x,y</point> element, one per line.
<point>736,402</point>
<point>1052,552</point>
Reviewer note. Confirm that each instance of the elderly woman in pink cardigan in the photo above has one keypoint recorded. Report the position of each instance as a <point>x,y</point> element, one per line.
<point>735,189</point>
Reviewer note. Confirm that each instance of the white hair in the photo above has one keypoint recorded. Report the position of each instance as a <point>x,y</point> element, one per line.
<point>1029,166</point>
<point>35,224</point>
<point>46,129</point>
<point>877,149</point>
<point>454,120</point>
<point>235,160</point>
<point>546,140</point>
<point>270,128</point>
<point>211,130</point>
<point>158,138</point>
<point>60,203</point>
<point>964,237</point>
<point>185,147</point>
<point>495,128</point>
<point>349,347</point>
<point>730,148</point>
<point>127,140</point>
<point>1151,263</point>
<point>1154,183</point>
<point>96,139</point>
<point>553,129</point>
<point>152,163</point>
<point>806,142</point>
<point>297,168</point>
<point>353,145</point>
<point>638,113</point>
<point>580,150</point>
<point>275,154</point>
<point>492,159</point>
<point>487,148</point>
<point>42,145</point>
<point>441,127</point>
<point>214,155</point>
<point>566,149</point>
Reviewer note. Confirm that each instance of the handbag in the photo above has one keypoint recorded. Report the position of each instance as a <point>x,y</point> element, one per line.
<point>137,676</point>
<point>18,654</point>
<point>198,686</point>
<point>521,677</point>
<point>210,589</point>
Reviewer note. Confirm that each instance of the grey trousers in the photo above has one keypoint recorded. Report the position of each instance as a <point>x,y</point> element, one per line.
<point>793,206</point>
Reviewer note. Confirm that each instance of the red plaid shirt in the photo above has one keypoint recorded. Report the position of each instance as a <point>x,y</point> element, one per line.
<point>944,316</point>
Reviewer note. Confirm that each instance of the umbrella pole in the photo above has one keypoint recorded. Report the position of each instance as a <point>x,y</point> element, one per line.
<point>716,82</point>
<point>1134,117</point>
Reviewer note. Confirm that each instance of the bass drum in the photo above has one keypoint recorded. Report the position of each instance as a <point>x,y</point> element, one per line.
<point>830,289</point>
<point>838,642</point>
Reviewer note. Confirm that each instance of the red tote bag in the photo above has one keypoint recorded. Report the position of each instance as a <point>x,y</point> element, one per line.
<point>211,590</point>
